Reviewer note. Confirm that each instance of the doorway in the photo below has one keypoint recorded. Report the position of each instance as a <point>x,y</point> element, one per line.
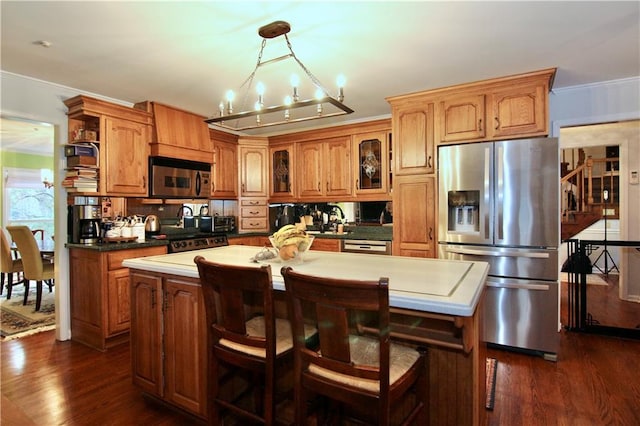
<point>616,291</point>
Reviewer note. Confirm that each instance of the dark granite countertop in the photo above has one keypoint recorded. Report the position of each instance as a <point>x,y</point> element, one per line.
<point>375,233</point>
<point>119,246</point>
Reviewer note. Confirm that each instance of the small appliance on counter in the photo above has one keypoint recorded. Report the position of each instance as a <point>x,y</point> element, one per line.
<point>83,224</point>
<point>218,224</point>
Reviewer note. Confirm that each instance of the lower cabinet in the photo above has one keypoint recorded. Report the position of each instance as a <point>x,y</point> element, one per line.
<point>414,216</point>
<point>168,340</point>
<point>100,302</point>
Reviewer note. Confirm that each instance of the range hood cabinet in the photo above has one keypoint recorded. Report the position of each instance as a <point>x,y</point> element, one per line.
<point>178,134</point>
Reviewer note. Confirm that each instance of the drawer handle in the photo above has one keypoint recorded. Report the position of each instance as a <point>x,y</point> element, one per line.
<point>254,212</point>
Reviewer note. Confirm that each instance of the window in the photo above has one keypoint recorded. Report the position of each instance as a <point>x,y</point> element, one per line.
<point>28,198</point>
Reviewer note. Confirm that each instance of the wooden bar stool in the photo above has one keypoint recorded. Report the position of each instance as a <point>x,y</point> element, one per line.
<point>367,375</point>
<point>244,335</point>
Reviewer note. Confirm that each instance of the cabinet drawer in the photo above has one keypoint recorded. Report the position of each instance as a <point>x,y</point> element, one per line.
<point>115,258</point>
<point>248,212</point>
<point>261,202</point>
<point>254,223</point>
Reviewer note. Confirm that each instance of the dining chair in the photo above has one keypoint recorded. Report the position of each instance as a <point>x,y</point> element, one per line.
<point>360,376</point>
<point>10,266</point>
<point>37,232</point>
<point>244,337</point>
<point>35,269</point>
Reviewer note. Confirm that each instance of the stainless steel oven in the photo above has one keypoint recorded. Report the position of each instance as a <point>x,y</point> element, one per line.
<point>171,178</point>
<point>188,242</point>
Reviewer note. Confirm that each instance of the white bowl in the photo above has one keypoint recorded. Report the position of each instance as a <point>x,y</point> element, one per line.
<point>301,251</point>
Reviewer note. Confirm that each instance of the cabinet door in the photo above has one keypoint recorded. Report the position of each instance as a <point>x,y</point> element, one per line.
<point>126,154</point>
<point>309,170</point>
<point>282,172</point>
<point>253,171</point>
<point>118,300</point>
<point>185,346</point>
<point>371,163</point>
<point>414,212</point>
<point>337,166</point>
<point>225,170</point>
<point>520,111</point>
<point>146,332</point>
<point>463,118</point>
<point>413,129</point>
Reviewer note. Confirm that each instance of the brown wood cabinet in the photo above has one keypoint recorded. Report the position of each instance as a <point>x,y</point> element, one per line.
<point>254,215</point>
<point>122,140</point>
<point>168,339</point>
<point>126,157</point>
<point>414,221</point>
<point>324,168</point>
<point>414,137</point>
<point>370,152</point>
<point>253,164</point>
<point>100,301</point>
<point>225,165</point>
<point>282,168</point>
<point>502,108</point>
<point>178,133</point>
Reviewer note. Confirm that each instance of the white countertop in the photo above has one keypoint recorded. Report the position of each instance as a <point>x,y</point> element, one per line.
<point>430,285</point>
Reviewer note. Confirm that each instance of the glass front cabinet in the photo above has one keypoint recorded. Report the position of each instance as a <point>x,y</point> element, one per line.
<point>281,162</point>
<point>372,166</point>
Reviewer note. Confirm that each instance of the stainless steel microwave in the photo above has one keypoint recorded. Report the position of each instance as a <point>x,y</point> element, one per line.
<point>172,178</point>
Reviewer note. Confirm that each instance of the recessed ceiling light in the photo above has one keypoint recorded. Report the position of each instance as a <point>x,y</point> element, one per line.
<point>43,43</point>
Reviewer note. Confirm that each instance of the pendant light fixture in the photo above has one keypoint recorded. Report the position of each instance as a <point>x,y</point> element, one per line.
<point>292,109</point>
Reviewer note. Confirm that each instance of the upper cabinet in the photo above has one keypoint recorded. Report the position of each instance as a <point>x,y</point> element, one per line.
<point>509,107</point>
<point>126,157</point>
<point>349,162</point>
<point>370,152</point>
<point>178,134</point>
<point>281,166</point>
<point>225,165</point>
<point>413,130</point>
<point>324,168</point>
<point>252,153</point>
<point>120,135</point>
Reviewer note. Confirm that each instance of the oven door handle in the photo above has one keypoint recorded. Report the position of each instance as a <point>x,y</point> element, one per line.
<point>539,286</point>
<point>497,253</point>
<point>198,183</point>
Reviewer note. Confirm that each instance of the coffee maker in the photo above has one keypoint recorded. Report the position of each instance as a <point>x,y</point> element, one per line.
<point>83,224</point>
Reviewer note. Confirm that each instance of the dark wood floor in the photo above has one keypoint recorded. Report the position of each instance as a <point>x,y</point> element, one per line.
<point>596,381</point>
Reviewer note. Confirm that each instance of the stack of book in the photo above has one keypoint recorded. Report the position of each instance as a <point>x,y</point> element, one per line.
<point>82,172</point>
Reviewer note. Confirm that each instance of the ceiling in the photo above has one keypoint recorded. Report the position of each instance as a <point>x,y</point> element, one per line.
<point>188,54</point>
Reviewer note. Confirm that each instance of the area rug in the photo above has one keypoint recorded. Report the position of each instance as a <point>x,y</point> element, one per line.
<point>592,279</point>
<point>18,320</point>
<point>492,369</point>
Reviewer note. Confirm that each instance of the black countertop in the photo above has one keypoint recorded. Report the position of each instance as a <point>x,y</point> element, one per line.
<point>375,233</point>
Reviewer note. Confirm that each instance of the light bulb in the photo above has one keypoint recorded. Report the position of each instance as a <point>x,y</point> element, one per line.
<point>295,81</point>
<point>258,106</point>
<point>260,88</point>
<point>287,102</point>
<point>319,93</point>
<point>230,96</point>
<point>341,82</point>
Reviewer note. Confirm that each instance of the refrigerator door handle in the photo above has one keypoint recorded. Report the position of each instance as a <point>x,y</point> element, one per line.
<point>487,194</point>
<point>500,192</point>
<point>538,287</point>
<point>505,253</point>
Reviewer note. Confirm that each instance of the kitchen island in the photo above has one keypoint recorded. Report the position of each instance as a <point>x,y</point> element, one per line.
<point>434,303</point>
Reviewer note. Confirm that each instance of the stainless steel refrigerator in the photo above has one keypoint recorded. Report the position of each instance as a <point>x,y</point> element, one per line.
<point>499,203</point>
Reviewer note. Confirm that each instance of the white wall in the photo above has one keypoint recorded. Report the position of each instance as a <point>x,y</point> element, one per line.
<point>610,101</point>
